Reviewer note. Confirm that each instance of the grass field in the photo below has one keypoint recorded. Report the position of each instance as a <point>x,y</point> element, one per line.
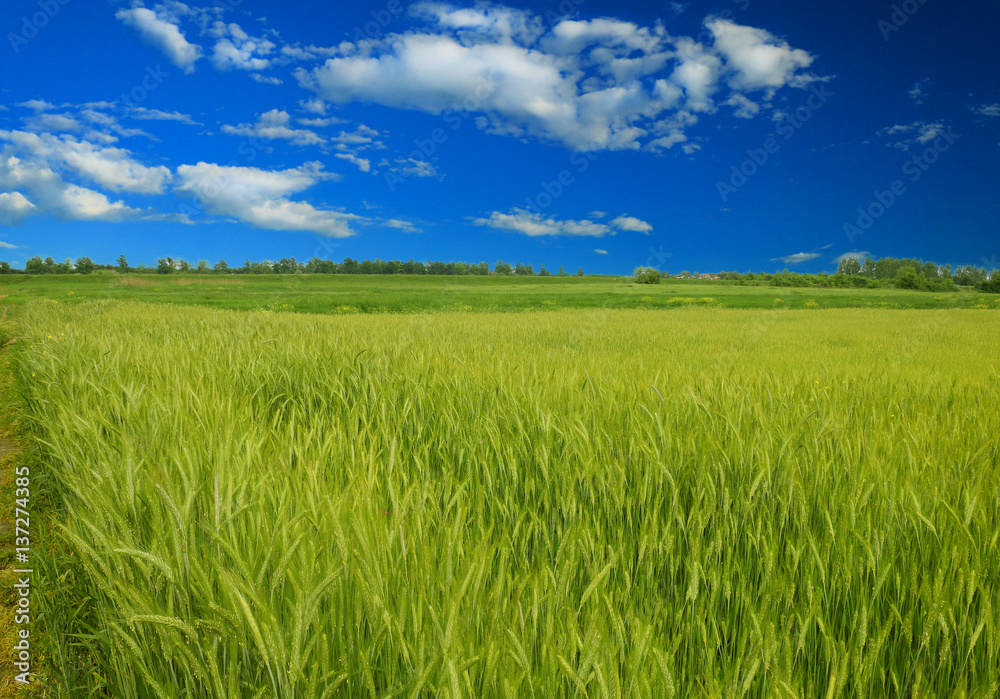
<point>573,502</point>
<point>347,294</point>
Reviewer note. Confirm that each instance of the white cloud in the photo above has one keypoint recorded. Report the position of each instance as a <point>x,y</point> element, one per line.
<point>904,136</point>
<point>111,168</point>
<point>237,50</point>
<point>630,223</point>
<point>9,246</point>
<point>274,125</point>
<point>404,226</point>
<point>265,79</point>
<point>597,214</point>
<point>756,59</point>
<point>50,193</point>
<point>745,107</point>
<point>321,123</point>
<point>590,85</point>
<point>146,114</point>
<point>52,122</point>
<point>363,164</point>
<point>163,34</point>
<point>260,197</point>
<point>990,110</point>
<point>600,252</point>
<point>535,225</point>
<point>859,256</point>
<point>14,208</point>
<point>918,92</point>
<point>412,167</point>
<point>313,105</point>
<point>37,105</point>
<point>797,258</point>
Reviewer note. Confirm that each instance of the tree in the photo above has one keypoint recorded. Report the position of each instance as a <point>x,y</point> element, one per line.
<point>906,278</point>
<point>122,264</point>
<point>164,265</point>
<point>35,265</point>
<point>64,267</point>
<point>202,267</point>
<point>579,272</point>
<point>50,265</point>
<point>221,267</point>
<point>868,268</point>
<point>85,265</point>
<point>184,266</point>
<point>543,272</point>
<point>561,272</point>
<point>849,265</point>
<point>646,275</point>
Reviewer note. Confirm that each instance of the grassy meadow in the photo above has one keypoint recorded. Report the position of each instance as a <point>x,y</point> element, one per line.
<point>356,294</point>
<point>572,502</point>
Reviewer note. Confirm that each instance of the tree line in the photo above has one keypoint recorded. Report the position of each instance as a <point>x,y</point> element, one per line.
<point>902,273</point>
<point>287,265</point>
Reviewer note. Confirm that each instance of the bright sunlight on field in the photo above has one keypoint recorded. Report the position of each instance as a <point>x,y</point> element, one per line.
<point>568,503</point>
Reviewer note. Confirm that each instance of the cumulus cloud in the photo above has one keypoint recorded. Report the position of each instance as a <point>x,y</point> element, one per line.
<point>237,50</point>
<point>14,208</point>
<point>797,258</point>
<point>111,168</point>
<point>536,225</point>
<point>164,34</point>
<point>363,164</point>
<point>260,197</point>
<point>275,125</point>
<point>589,85</point>
<point>756,59</point>
<point>631,223</point>
<point>49,192</point>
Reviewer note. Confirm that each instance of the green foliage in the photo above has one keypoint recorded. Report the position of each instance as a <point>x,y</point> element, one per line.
<point>992,286</point>
<point>268,504</point>
<point>85,265</point>
<point>646,275</point>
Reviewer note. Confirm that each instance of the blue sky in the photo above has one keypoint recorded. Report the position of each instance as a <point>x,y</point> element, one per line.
<point>731,134</point>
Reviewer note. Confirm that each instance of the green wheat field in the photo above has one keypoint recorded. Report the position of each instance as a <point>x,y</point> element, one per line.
<point>589,502</point>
